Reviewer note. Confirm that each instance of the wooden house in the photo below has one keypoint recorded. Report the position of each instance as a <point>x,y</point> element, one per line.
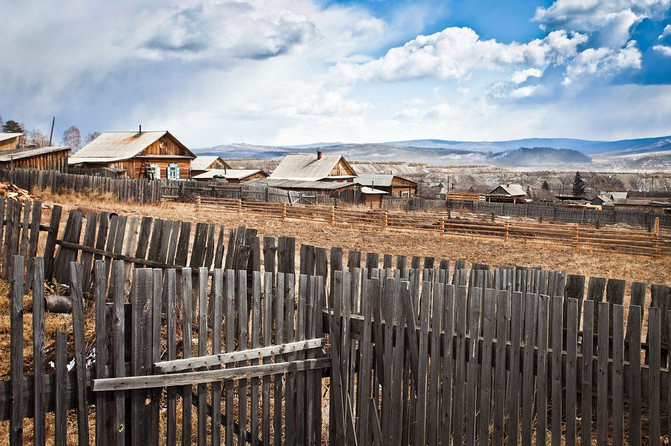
<point>207,162</point>
<point>507,193</point>
<point>43,158</point>
<point>373,197</point>
<point>153,155</point>
<point>231,176</point>
<point>10,141</point>
<point>393,185</point>
<point>318,167</point>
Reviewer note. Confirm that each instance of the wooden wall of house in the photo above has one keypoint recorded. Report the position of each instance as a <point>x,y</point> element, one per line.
<point>373,200</point>
<point>219,164</point>
<point>166,146</point>
<point>9,144</point>
<point>133,166</point>
<point>49,161</point>
<point>342,168</point>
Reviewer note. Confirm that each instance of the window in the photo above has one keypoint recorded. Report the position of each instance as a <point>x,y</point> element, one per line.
<point>405,194</point>
<point>173,171</point>
<point>154,172</point>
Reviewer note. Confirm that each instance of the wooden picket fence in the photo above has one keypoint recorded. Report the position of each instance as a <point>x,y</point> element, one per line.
<point>416,351</point>
<point>627,241</point>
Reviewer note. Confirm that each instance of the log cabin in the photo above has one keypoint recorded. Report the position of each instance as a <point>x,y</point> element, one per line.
<point>153,155</point>
<point>393,185</point>
<point>43,158</point>
<point>207,162</point>
<point>306,167</point>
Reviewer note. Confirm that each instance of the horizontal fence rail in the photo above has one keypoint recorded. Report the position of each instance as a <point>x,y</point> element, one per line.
<point>627,241</point>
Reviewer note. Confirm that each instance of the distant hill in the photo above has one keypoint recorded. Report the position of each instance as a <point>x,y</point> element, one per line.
<point>538,156</point>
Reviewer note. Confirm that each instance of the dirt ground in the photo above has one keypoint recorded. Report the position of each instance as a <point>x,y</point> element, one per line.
<point>493,251</point>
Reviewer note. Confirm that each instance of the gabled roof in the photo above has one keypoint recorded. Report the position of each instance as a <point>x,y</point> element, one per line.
<point>378,180</point>
<point>233,174</point>
<point>308,167</point>
<point>510,189</point>
<point>118,146</point>
<point>6,136</point>
<point>203,162</point>
<point>17,154</point>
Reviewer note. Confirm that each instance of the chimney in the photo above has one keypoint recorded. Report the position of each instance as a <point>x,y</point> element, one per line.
<point>319,154</point>
<point>140,130</point>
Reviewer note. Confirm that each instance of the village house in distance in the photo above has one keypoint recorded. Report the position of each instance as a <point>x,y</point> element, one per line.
<point>153,155</point>
<point>12,156</point>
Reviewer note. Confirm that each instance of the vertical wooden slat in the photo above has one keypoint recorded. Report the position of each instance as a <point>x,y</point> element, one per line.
<point>99,293</point>
<point>267,319</point>
<point>243,337</point>
<point>218,296</point>
<point>187,341</point>
<point>557,347</point>
<point>60,408</point>
<point>39,403</point>
<point>448,362</point>
<point>230,346</point>
<point>300,377</point>
<point>587,372</point>
<point>503,299</point>
<point>528,379</point>
<point>119,350</point>
<point>488,321</point>
<point>141,352</point>
<point>654,343</point>
<point>279,338</point>
<point>35,220</point>
<point>634,358</point>
<point>460,373</point>
<point>171,332</point>
<point>202,351</point>
<point>420,431</point>
<point>80,351</point>
<point>571,377</point>
<point>617,374</point>
<point>255,335</point>
<point>16,351</point>
<point>364,379</point>
<point>602,376</point>
<point>156,304</point>
<point>433,410</point>
<point>541,367</point>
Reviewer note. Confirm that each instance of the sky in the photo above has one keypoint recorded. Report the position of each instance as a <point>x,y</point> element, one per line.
<point>289,72</point>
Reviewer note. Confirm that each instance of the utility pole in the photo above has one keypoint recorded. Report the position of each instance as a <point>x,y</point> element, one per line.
<point>51,135</point>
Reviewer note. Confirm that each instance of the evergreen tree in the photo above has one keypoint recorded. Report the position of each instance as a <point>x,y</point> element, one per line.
<point>578,185</point>
<point>545,185</point>
<point>12,127</point>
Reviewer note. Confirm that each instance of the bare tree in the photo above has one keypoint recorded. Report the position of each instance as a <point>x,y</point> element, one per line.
<point>38,139</point>
<point>91,136</point>
<point>72,138</point>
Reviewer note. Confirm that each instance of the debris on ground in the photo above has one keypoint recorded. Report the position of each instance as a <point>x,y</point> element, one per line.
<point>13,192</point>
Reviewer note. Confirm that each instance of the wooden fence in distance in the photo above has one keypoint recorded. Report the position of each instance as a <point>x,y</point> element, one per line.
<point>625,241</point>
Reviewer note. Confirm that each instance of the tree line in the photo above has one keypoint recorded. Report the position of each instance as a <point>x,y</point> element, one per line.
<point>35,138</point>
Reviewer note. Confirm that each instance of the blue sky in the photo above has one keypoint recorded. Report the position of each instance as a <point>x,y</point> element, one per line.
<point>301,71</point>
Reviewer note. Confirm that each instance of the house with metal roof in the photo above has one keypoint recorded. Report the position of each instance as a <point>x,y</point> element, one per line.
<point>393,185</point>
<point>511,193</point>
<point>10,141</point>
<point>319,167</point>
<point>42,158</point>
<point>203,163</point>
<point>153,154</point>
<point>231,176</point>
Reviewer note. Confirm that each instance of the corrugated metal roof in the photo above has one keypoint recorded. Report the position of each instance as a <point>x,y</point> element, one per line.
<point>17,154</point>
<point>203,162</point>
<point>305,167</point>
<point>296,184</point>
<point>234,174</point>
<point>110,147</point>
<point>6,136</point>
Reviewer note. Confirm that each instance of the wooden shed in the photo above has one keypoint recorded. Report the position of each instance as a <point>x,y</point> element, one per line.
<point>373,197</point>
<point>508,193</point>
<point>44,158</point>
<point>394,185</point>
<point>10,141</point>
<point>208,162</point>
<point>317,167</point>
<point>154,154</point>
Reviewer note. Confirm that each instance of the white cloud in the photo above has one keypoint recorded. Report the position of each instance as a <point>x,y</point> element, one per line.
<point>612,21</point>
<point>664,49</point>
<point>457,52</point>
<point>666,32</point>
<point>521,76</point>
<point>602,62</point>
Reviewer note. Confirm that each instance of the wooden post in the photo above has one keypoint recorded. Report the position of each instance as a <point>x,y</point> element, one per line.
<point>385,220</point>
<point>332,215</point>
<point>198,205</point>
<point>507,227</point>
<point>655,243</point>
<point>284,211</point>
<point>442,225</point>
<point>575,236</point>
<point>239,206</point>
